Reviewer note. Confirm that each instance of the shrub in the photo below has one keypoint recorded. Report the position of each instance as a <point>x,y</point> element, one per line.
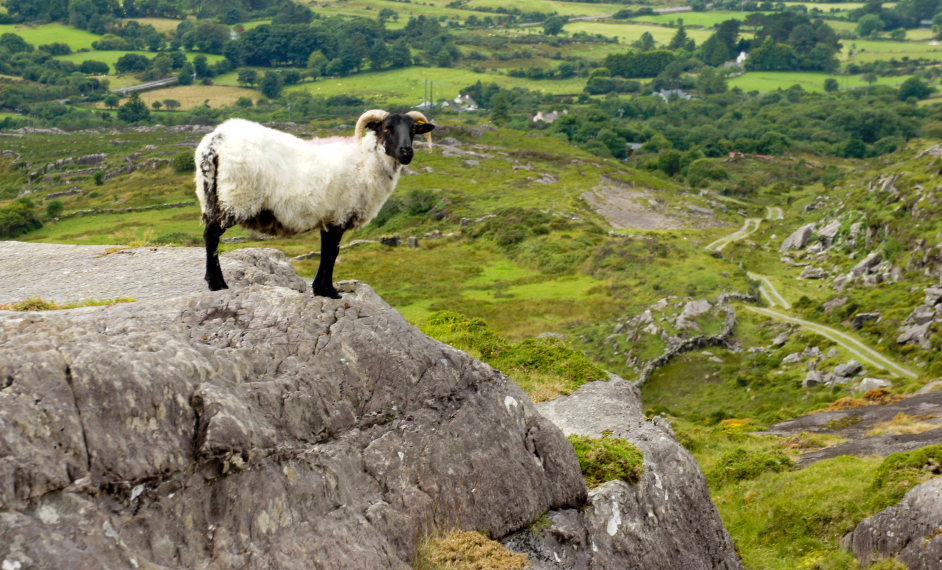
<point>512,226</point>
<point>183,162</point>
<point>551,356</point>
<point>607,459</point>
<point>54,209</point>
<point>740,464</point>
<point>467,550</point>
<point>17,218</point>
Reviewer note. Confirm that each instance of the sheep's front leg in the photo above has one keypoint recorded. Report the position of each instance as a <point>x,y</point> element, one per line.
<point>211,236</point>
<point>330,248</point>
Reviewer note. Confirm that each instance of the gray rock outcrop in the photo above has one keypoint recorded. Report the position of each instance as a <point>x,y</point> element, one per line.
<point>666,520</point>
<point>255,428</point>
<point>908,531</point>
<point>798,239</point>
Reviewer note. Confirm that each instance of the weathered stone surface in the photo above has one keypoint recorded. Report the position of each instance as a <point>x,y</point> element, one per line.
<point>798,239</point>
<point>856,423</point>
<point>861,319</point>
<point>868,384</point>
<point>849,368</point>
<point>664,521</point>
<point>812,272</point>
<point>867,263</point>
<point>254,428</point>
<point>908,531</point>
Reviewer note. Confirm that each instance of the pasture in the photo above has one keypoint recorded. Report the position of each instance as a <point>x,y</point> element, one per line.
<point>50,33</point>
<point>701,19</point>
<point>863,51</point>
<point>407,86</point>
<point>162,25</point>
<point>629,31</point>
<point>765,81</point>
<point>192,96</point>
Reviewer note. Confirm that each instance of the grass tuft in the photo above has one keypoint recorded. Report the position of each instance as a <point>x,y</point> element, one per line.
<point>607,459</point>
<point>40,304</point>
<point>467,550</point>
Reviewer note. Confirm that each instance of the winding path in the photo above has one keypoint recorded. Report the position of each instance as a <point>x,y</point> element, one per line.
<point>863,352</point>
<point>768,291</point>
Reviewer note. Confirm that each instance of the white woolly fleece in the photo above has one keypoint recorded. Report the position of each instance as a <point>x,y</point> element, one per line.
<point>305,184</point>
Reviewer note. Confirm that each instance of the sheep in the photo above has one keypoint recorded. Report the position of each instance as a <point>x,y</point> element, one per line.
<point>278,184</point>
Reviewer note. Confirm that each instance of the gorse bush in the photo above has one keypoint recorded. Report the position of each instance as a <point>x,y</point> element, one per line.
<point>607,459</point>
<point>17,218</point>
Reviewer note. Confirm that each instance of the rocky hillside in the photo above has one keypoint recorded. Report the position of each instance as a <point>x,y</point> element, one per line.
<point>261,427</point>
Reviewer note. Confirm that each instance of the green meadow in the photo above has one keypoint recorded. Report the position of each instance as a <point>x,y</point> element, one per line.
<point>702,19</point>
<point>627,31</point>
<point>407,86</point>
<point>50,33</point>
<point>863,51</point>
<point>764,81</point>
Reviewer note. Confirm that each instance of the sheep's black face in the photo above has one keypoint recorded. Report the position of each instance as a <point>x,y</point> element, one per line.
<point>396,133</point>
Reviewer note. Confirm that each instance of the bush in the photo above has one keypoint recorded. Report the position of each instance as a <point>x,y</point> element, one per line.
<point>512,226</point>
<point>739,465</point>
<point>17,218</point>
<point>551,356</point>
<point>183,162</point>
<point>607,459</point>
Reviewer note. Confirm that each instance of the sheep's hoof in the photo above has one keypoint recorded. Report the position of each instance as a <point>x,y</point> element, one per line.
<point>216,285</point>
<point>327,292</point>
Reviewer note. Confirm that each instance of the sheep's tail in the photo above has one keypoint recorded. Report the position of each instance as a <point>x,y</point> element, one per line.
<point>207,165</point>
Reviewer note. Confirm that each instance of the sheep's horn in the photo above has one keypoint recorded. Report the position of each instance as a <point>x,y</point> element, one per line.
<point>371,115</point>
<point>420,118</point>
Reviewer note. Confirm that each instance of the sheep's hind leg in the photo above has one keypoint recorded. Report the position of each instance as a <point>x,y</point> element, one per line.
<point>330,249</point>
<point>211,235</point>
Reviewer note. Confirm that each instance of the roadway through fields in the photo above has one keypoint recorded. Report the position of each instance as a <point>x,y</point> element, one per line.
<point>768,291</point>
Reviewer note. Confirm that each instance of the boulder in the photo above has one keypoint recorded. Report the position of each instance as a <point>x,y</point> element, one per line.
<point>933,295</point>
<point>861,319</point>
<point>830,231</point>
<point>868,384</point>
<point>916,334</point>
<point>812,272</point>
<point>813,378</point>
<point>792,358</point>
<point>834,303</point>
<point>798,239</point>
<point>691,311</point>
<point>666,520</point>
<point>257,427</point>
<point>848,369</point>
<point>866,264</point>
<point>908,531</point>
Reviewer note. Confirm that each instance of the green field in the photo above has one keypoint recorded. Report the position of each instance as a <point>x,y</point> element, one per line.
<point>110,57</point>
<point>765,81</point>
<point>49,33</point>
<point>406,86</point>
<point>863,51</point>
<point>630,31</point>
<point>702,19</point>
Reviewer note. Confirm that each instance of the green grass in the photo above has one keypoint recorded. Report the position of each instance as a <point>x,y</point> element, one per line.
<point>51,33</point>
<point>40,304</point>
<point>406,86</point>
<point>628,31</point>
<point>607,459</point>
<point>765,81</point>
<point>863,51</point>
<point>703,19</point>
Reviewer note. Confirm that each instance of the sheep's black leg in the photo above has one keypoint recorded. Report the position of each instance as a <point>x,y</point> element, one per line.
<point>211,236</point>
<point>330,248</point>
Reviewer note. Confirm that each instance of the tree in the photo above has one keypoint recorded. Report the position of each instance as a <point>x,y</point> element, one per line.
<point>553,26</point>
<point>171,104</point>
<point>645,42</point>
<point>668,161</point>
<point>271,84</point>
<point>500,108</point>
<point>132,63</point>
<point>248,77</point>
<point>134,111</point>
<point>17,218</point>
<point>111,100</point>
<point>93,67</point>
<point>915,88</point>
<point>831,85</point>
<point>156,105</point>
<point>681,41</point>
<point>869,25</point>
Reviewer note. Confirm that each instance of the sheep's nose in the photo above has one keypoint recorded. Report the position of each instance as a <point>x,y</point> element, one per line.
<point>405,155</point>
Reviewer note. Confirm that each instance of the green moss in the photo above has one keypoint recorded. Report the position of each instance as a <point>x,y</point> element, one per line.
<point>900,472</point>
<point>740,464</point>
<point>40,304</point>
<point>607,459</point>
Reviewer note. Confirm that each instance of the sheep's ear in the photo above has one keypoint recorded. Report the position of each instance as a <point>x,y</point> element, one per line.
<point>375,126</point>
<point>422,128</point>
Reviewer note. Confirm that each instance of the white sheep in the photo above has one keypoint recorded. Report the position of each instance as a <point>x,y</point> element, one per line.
<point>278,184</point>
